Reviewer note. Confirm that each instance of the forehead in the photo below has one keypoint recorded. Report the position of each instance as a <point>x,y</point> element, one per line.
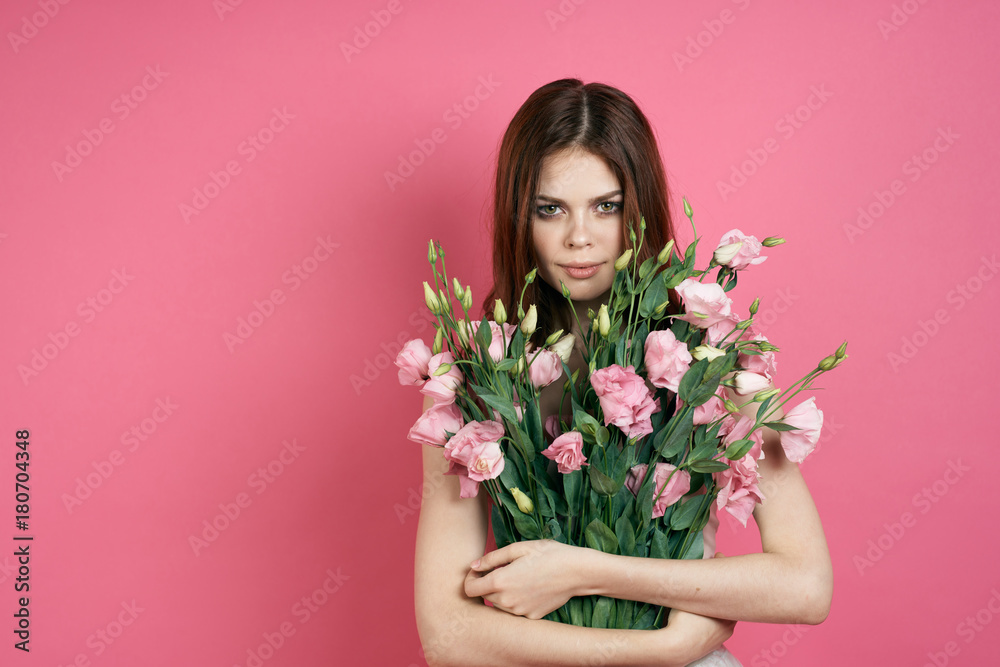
<point>575,171</point>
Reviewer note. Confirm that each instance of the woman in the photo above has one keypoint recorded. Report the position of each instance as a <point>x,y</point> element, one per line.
<point>576,162</point>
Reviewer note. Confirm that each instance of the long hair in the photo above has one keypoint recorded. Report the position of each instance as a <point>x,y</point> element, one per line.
<point>570,114</point>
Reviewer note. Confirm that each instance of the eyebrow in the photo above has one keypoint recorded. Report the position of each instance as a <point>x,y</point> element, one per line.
<point>608,195</point>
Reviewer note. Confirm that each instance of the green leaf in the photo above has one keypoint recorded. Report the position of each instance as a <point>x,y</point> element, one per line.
<point>571,487</point>
<point>576,611</point>
<point>524,524</point>
<point>696,547</point>
<point>739,449</point>
<point>501,405</point>
<point>601,483</point>
<point>708,465</point>
<point>659,547</point>
<point>484,336</point>
<point>653,297</point>
<point>603,611</point>
<point>689,254</point>
<point>684,517</point>
<point>500,532</point>
<point>620,351</point>
<point>638,345</point>
<point>553,531</point>
<point>626,536</point>
<point>600,537</point>
<point>696,387</point>
<point>674,437</point>
<point>506,364</point>
<point>780,426</point>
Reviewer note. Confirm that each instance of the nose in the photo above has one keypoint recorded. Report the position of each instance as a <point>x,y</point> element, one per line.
<point>580,233</point>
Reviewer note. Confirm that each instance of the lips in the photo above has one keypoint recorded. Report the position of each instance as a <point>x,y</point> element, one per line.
<point>581,270</point>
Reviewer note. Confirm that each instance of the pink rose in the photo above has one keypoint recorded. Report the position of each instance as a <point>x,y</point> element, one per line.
<point>475,455</point>
<point>667,359</point>
<point>500,338</point>
<point>625,399</point>
<point>738,427</point>
<point>431,425</point>
<point>739,492</point>
<point>670,490</point>
<point>545,367</point>
<point>567,452</point>
<point>808,422</point>
<point>722,329</point>
<point>707,299</point>
<point>710,410</point>
<point>749,252</point>
<point>442,387</point>
<point>412,361</point>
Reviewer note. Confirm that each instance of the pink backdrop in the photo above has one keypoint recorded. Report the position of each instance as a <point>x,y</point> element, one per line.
<point>212,238</point>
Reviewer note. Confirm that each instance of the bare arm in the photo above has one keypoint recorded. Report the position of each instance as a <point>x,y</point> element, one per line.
<point>458,630</point>
<point>790,582</point>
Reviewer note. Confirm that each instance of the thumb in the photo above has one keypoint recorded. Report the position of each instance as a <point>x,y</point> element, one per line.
<point>719,554</point>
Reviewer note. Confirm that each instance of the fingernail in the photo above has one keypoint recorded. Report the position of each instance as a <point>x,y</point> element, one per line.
<point>475,563</point>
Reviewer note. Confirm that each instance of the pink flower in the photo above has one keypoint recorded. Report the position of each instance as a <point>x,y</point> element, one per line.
<point>430,427</point>
<point>739,492</point>
<point>667,359</point>
<point>749,252</point>
<point>764,363</point>
<point>552,426</point>
<point>475,455</point>
<point>707,299</point>
<point>723,329</point>
<point>442,387</point>
<point>500,338</point>
<point>567,452</point>
<point>412,361</point>
<point>625,399</point>
<point>748,382</point>
<point>546,367</point>
<point>669,491</point>
<point>808,422</point>
<point>737,428</point>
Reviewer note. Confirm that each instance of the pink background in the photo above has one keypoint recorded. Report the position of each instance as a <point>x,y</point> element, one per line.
<point>914,289</point>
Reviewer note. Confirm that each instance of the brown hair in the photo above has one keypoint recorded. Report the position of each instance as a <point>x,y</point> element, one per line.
<point>570,114</point>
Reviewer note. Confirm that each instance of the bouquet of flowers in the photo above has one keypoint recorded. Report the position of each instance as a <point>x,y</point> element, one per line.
<point>653,400</point>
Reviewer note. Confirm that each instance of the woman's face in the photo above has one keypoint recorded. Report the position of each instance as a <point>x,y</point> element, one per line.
<point>577,225</point>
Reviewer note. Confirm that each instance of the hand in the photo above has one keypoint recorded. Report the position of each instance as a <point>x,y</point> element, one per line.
<point>529,578</point>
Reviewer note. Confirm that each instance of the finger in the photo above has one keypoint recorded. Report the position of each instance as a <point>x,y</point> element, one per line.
<point>477,586</point>
<point>496,558</point>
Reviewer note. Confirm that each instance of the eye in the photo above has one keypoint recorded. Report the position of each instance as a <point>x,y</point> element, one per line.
<point>609,207</point>
<point>547,211</point>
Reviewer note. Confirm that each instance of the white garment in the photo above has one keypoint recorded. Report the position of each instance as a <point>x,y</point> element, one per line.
<point>720,657</point>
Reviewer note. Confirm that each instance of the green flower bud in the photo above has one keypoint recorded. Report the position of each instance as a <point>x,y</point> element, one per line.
<point>431,253</point>
<point>744,324</point>
<point>707,352</point>
<point>603,321</point>
<point>499,312</point>
<point>762,396</point>
<point>642,224</point>
<point>842,350</point>
<point>754,306</point>
<point>442,369</point>
<point>687,208</point>
<point>772,241</point>
<point>458,288</point>
<point>730,406</point>
<point>622,261</point>
<point>530,321</point>
<point>828,363</point>
<point>659,310</point>
<point>431,299</point>
<point>467,299</point>
<point>553,338</point>
<point>665,253</point>
<point>631,234</point>
<point>523,502</point>
<point>563,347</point>
<point>725,253</point>
<point>438,341</point>
<point>565,290</point>
<point>530,278</point>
